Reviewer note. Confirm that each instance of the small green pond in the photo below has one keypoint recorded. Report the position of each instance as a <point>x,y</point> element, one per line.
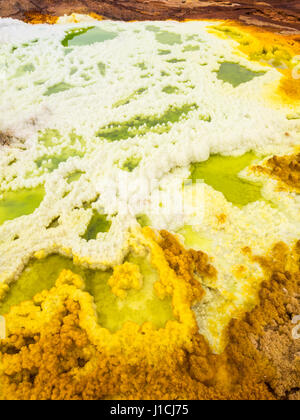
<point>20,203</point>
<point>235,74</point>
<point>87,36</point>
<point>222,173</point>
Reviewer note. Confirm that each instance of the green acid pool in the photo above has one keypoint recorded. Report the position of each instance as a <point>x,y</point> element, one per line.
<point>235,74</point>
<point>222,173</point>
<point>20,203</point>
<point>98,223</point>
<point>87,36</point>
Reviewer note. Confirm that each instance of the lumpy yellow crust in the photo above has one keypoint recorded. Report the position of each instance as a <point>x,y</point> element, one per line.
<point>55,348</point>
<point>125,276</point>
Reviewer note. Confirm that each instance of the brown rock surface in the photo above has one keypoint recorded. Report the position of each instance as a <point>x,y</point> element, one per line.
<point>283,16</point>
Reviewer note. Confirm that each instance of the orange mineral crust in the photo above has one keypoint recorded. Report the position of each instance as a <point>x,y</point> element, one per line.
<point>57,350</point>
<point>186,263</point>
<point>285,169</point>
<point>36,18</point>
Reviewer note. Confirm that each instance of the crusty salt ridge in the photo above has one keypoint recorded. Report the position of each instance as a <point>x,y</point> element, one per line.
<point>221,119</point>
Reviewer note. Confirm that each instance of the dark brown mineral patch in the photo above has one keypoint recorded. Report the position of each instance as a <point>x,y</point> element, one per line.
<point>5,138</point>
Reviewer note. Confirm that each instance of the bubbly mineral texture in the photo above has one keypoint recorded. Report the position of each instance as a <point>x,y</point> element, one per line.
<point>149,210</point>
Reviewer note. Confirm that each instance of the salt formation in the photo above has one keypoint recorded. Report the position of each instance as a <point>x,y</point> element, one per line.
<point>107,118</point>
